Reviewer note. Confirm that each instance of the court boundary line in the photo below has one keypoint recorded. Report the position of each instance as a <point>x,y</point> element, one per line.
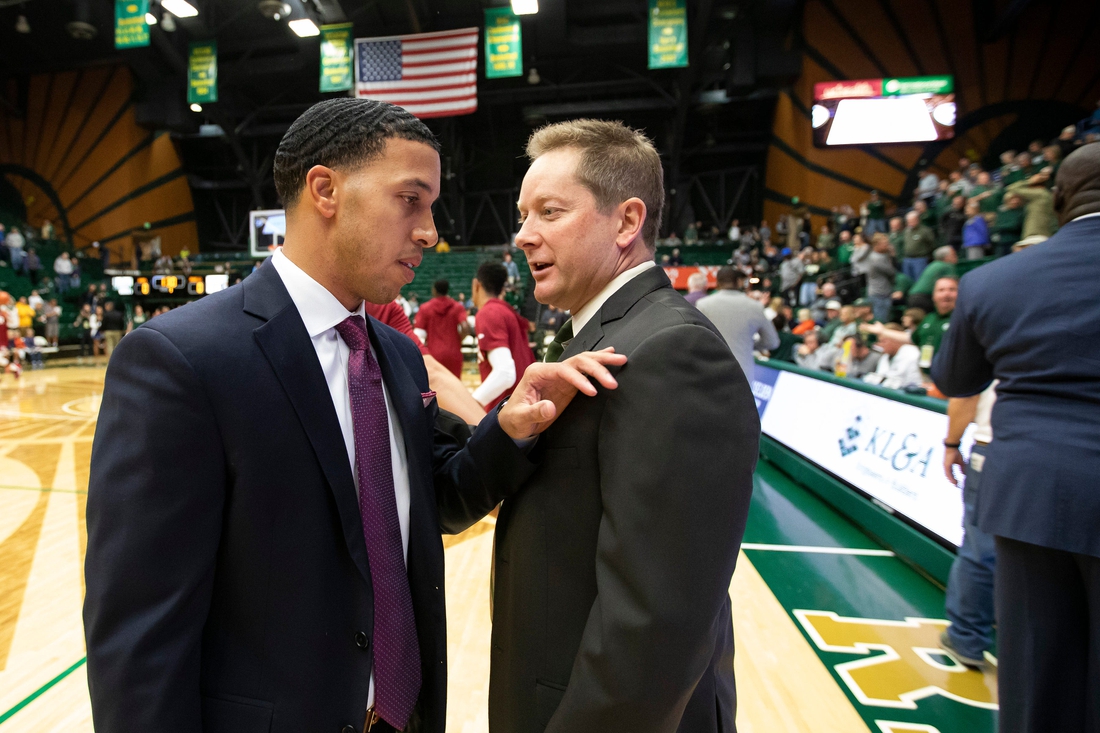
<point>43,489</point>
<point>4,717</point>
<point>818,549</point>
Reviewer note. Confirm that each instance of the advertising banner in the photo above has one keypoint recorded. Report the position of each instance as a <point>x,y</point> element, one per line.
<point>668,34</point>
<point>202,72</point>
<point>889,450</point>
<point>679,275</point>
<point>336,74</point>
<point>131,30</point>
<point>503,44</point>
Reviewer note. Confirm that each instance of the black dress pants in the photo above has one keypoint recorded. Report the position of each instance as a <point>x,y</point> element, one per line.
<point>1048,639</point>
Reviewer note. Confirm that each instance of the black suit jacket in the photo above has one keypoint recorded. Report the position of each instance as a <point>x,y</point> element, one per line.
<point>228,587</point>
<point>613,562</point>
<point>1032,321</point>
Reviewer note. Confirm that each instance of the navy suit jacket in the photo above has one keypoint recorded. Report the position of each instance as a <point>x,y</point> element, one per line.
<point>228,586</point>
<point>1032,320</point>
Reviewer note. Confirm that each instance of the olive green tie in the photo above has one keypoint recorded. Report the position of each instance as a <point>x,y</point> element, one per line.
<point>561,341</point>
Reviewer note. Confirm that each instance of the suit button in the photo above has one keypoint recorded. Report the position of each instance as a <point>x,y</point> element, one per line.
<point>348,729</point>
<point>361,640</point>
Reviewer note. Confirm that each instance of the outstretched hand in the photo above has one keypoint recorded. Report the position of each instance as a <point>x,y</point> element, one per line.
<point>547,389</point>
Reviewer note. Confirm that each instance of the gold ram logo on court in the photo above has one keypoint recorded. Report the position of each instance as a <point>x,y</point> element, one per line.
<point>902,662</point>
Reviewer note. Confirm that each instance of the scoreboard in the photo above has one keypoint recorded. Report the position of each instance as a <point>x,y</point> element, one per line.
<point>171,285</point>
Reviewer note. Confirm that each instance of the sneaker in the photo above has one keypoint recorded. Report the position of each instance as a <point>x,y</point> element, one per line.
<point>946,645</point>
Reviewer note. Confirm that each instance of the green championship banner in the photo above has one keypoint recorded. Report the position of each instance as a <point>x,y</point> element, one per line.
<point>131,30</point>
<point>503,44</point>
<point>668,34</point>
<point>336,57</point>
<point>202,72</point>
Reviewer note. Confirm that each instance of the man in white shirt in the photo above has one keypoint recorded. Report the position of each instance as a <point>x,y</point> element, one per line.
<point>285,572</point>
<point>611,610</point>
<point>899,366</point>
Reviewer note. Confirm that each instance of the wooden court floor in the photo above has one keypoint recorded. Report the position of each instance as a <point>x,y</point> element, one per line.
<point>786,680</point>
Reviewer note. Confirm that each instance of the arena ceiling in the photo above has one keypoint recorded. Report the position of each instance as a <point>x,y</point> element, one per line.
<point>711,121</point>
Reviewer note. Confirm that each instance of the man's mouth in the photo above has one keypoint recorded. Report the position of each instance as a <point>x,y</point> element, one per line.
<point>540,266</point>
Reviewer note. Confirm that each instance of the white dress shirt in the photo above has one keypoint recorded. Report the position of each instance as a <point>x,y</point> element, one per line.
<point>320,312</point>
<point>585,313</point>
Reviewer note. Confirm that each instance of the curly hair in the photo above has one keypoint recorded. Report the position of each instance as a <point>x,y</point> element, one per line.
<point>341,133</point>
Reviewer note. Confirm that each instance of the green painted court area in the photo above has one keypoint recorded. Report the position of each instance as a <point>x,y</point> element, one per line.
<point>872,618</point>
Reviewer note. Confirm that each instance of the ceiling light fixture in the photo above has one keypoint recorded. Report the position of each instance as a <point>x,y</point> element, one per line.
<point>168,23</point>
<point>21,25</point>
<point>179,8</point>
<point>150,19</point>
<point>304,28</point>
<point>273,9</point>
<point>525,7</point>
<point>196,108</point>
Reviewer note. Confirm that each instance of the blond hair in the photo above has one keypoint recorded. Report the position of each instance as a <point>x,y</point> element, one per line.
<point>617,163</point>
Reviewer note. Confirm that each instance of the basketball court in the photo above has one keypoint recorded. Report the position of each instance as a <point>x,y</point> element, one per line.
<point>835,634</point>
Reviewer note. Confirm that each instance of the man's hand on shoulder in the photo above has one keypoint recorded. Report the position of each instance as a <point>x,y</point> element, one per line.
<point>547,389</point>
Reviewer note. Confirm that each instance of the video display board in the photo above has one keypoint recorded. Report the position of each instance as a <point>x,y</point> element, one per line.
<point>882,111</point>
<point>890,451</point>
<point>267,230</point>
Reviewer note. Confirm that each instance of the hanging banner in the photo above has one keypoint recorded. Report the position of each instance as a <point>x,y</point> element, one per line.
<point>336,73</point>
<point>202,72</point>
<point>668,34</point>
<point>503,44</point>
<point>131,30</point>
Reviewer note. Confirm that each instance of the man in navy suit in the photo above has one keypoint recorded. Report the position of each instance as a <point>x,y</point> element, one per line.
<point>268,486</point>
<point>1032,320</point>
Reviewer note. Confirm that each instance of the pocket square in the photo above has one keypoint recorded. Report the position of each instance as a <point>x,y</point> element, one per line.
<point>427,397</point>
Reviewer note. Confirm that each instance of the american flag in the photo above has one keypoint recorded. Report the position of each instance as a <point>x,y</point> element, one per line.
<point>429,74</point>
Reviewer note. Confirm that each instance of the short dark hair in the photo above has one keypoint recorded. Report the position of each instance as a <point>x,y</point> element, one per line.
<point>492,277</point>
<point>728,276</point>
<point>441,286</point>
<point>341,133</point>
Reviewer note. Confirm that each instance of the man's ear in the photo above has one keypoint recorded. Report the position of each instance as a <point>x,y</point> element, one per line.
<point>632,213</point>
<point>320,190</point>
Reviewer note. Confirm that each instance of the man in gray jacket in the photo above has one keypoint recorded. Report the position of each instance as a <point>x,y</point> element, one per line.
<point>739,319</point>
<point>880,276</point>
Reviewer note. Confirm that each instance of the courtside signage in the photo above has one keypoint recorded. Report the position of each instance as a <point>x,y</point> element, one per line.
<point>891,451</point>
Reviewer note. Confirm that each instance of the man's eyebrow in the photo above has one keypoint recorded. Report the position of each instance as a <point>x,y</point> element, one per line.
<point>418,183</point>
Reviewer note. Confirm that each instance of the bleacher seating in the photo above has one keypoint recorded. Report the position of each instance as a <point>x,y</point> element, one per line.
<point>457,268</point>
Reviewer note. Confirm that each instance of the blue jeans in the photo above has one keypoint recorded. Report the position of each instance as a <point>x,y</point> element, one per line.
<point>914,266</point>
<point>970,585</point>
<point>807,292</point>
<point>17,256</point>
<point>881,305</point>
<point>874,225</point>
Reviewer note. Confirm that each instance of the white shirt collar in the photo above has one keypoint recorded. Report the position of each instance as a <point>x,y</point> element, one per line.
<point>319,309</point>
<point>1085,216</point>
<point>585,313</point>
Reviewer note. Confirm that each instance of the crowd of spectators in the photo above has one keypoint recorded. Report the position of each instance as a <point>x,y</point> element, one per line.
<point>871,295</point>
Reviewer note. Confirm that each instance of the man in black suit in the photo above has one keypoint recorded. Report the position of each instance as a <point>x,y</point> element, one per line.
<point>267,487</point>
<point>613,562</point>
<point>1032,321</point>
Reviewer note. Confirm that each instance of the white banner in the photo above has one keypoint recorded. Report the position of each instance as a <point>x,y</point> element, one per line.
<point>890,450</point>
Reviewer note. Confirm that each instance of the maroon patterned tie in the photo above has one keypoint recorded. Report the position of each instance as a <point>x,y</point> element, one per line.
<point>396,649</point>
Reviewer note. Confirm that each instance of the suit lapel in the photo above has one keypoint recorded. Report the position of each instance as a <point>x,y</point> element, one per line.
<point>285,343</point>
<point>615,308</point>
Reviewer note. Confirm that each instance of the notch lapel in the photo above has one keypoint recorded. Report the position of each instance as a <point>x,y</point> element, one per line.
<point>615,308</point>
<point>285,343</point>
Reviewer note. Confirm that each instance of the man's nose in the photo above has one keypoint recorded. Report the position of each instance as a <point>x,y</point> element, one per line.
<point>526,234</point>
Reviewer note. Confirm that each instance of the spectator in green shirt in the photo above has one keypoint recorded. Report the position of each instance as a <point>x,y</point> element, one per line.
<point>987,194</point>
<point>943,265</point>
<point>844,250</point>
<point>918,241</point>
<point>826,240</point>
<point>897,233</point>
<point>1039,215</point>
<point>929,333</point>
<point>1007,224</point>
<point>876,215</point>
